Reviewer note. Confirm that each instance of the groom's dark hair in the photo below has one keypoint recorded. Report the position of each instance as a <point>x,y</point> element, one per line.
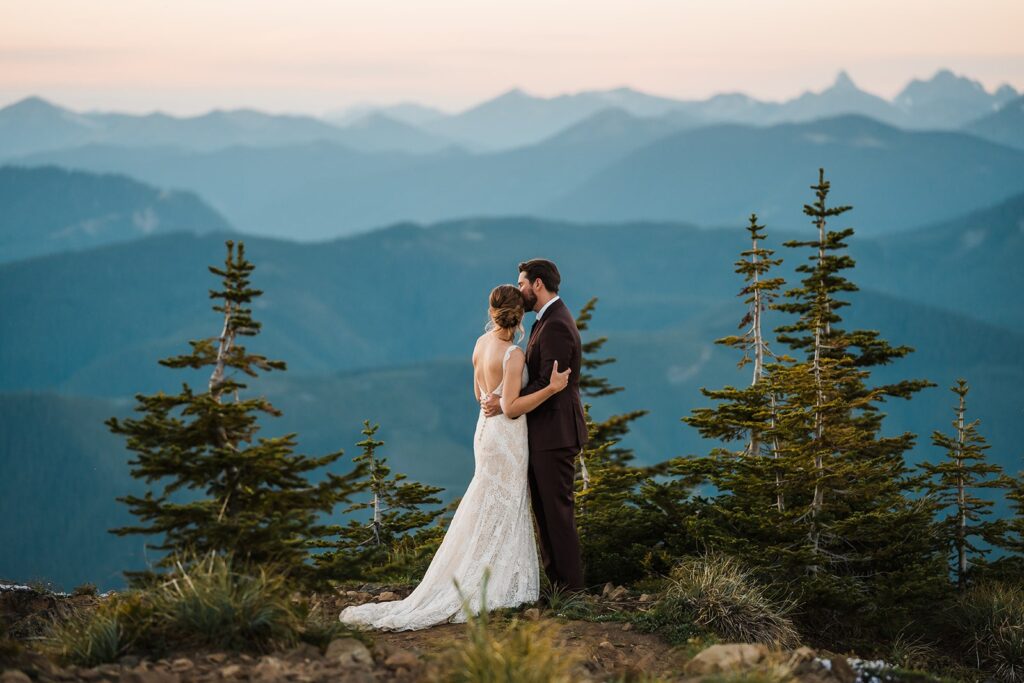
<point>541,268</point>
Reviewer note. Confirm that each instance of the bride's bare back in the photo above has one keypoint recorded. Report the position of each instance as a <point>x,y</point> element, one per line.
<point>487,363</point>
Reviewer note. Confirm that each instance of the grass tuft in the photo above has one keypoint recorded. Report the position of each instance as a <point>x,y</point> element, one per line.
<point>522,652</point>
<point>210,602</point>
<point>715,594</point>
<point>992,622</point>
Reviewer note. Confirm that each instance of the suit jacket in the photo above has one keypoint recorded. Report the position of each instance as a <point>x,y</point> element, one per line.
<point>559,421</point>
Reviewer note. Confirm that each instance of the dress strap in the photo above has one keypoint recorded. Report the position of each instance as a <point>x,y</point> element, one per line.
<point>508,354</point>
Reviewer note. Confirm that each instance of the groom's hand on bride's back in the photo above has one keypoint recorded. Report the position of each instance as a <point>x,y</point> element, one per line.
<point>491,405</point>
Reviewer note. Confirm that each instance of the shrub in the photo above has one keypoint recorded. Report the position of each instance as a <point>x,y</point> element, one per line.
<point>89,638</point>
<point>992,623</point>
<point>213,604</point>
<point>203,603</point>
<point>715,593</point>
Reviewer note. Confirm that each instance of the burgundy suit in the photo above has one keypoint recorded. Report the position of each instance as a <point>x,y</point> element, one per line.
<point>557,433</point>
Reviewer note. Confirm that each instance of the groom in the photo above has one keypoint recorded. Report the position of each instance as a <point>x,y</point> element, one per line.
<point>557,429</point>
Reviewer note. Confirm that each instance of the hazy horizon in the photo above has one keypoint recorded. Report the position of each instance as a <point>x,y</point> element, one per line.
<point>193,56</point>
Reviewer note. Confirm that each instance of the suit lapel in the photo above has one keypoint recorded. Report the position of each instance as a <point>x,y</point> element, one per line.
<point>534,336</point>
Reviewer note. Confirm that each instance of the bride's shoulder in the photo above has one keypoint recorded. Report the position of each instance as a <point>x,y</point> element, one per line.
<point>478,347</point>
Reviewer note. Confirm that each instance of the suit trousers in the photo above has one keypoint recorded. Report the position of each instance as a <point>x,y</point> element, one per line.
<point>552,495</point>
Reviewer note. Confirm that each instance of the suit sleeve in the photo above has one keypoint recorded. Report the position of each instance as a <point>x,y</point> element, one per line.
<point>556,344</point>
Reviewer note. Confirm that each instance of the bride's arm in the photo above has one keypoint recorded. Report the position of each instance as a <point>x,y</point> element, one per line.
<point>514,405</point>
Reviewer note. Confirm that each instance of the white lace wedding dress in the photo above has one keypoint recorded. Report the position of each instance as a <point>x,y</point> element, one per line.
<point>492,529</point>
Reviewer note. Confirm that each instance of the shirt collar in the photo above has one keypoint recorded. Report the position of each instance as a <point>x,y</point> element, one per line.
<point>545,306</point>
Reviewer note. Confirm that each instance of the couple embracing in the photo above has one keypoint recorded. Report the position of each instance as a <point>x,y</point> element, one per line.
<point>524,467</point>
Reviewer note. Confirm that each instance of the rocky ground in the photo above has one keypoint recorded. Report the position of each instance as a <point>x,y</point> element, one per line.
<point>602,650</point>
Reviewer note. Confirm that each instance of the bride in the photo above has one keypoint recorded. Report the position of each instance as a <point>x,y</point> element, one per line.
<point>493,526</point>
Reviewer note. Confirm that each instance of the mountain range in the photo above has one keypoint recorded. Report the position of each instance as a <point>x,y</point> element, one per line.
<point>611,167</point>
<point>49,209</point>
<point>512,119</point>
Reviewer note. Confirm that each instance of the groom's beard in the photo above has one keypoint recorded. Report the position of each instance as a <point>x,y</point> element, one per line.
<point>531,301</point>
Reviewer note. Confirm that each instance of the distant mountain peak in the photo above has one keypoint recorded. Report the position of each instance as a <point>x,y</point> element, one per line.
<point>1006,92</point>
<point>844,82</point>
<point>33,104</point>
<point>515,93</point>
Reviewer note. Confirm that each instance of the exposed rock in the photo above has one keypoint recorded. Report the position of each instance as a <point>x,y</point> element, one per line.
<point>402,658</point>
<point>348,652</point>
<point>618,593</point>
<point>149,676</point>
<point>269,668</point>
<point>231,671</point>
<point>644,597</point>
<point>387,596</point>
<point>217,658</point>
<point>14,676</point>
<point>627,626</point>
<point>533,614</point>
<point>842,670</point>
<point>358,596</point>
<point>801,655</point>
<point>182,665</point>
<point>726,657</point>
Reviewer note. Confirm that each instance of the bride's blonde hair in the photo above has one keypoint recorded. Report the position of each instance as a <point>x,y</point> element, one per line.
<point>507,308</point>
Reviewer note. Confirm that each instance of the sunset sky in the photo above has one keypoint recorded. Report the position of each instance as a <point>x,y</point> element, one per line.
<point>188,56</point>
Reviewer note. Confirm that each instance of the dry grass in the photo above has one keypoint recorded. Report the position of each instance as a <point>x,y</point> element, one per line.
<point>992,621</point>
<point>208,602</point>
<point>717,594</point>
<point>519,652</point>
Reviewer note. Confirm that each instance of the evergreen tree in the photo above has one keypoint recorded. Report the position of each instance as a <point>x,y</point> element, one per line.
<point>749,513</point>
<point>253,497</point>
<point>615,533</point>
<point>389,531</point>
<point>1011,567</point>
<point>747,413</point>
<point>1014,541</point>
<point>963,470</point>
<point>868,542</point>
<point>816,494</point>
<point>612,430</point>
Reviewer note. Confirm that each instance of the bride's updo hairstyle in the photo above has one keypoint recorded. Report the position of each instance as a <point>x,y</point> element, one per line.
<point>507,308</point>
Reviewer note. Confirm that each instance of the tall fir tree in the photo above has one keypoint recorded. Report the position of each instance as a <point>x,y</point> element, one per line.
<point>1012,566</point>
<point>390,530</point>
<point>612,430</point>
<point>868,543</point>
<point>615,533</point>
<point>953,482</point>
<point>247,496</point>
<point>748,413</point>
<point>749,512</point>
<point>831,505</point>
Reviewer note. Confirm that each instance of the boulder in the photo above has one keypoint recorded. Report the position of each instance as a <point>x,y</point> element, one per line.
<point>349,652</point>
<point>14,676</point>
<point>402,659</point>
<point>725,658</point>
